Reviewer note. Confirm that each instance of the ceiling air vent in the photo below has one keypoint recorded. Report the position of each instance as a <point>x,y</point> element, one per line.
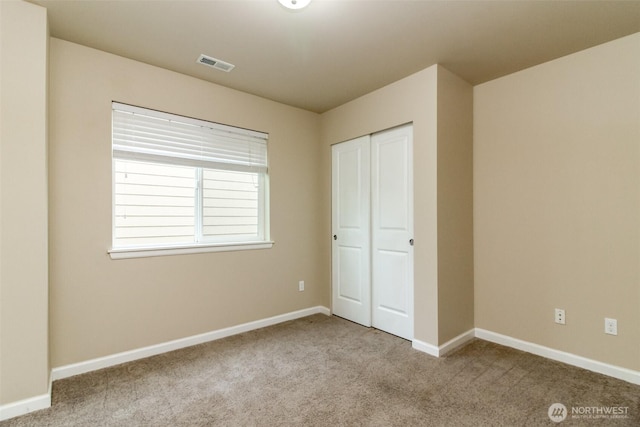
<point>215,63</point>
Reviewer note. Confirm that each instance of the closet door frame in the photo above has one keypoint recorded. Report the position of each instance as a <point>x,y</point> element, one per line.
<point>372,230</point>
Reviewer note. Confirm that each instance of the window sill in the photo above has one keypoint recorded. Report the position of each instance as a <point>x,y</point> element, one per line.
<point>144,252</point>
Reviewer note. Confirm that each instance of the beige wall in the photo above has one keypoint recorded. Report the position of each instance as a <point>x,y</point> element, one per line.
<point>24,354</point>
<point>101,306</point>
<point>455,206</point>
<point>557,203</point>
<point>417,99</point>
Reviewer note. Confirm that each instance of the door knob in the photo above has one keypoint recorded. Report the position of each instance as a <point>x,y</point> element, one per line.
<point>411,242</point>
<point>335,237</point>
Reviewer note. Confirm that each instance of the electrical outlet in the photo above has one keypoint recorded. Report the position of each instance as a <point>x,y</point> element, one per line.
<point>560,317</point>
<point>301,285</point>
<point>610,326</point>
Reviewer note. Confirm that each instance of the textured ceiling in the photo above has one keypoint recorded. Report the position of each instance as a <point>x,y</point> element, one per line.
<point>337,50</point>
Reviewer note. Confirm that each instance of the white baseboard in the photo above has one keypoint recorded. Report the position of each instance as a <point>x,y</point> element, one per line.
<point>425,347</point>
<point>43,401</point>
<point>456,342</point>
<point>141,353</point>
<point>445,348</point>
<point>25,406</point>
<point>561,356</point>
<point>539,350</point>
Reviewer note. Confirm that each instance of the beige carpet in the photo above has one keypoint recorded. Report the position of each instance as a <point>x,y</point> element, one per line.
<point>325,371</point>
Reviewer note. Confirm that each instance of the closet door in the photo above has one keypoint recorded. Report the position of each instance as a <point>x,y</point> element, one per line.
<point>351,248</point>
<point>392,231</point>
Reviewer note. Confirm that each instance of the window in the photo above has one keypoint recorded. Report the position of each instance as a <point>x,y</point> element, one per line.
<point>181,183</point>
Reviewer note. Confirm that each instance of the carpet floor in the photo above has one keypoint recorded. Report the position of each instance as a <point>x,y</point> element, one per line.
<point>326,371</point>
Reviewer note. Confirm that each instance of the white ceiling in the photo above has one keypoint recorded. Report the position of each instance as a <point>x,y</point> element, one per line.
<point>337,50</point>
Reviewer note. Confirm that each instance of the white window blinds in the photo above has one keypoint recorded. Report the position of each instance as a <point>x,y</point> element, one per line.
<point>152,136</point>
<point>184,181</point>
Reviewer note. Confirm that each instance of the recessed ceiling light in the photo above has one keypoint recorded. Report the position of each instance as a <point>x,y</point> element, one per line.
<point>294,4</point>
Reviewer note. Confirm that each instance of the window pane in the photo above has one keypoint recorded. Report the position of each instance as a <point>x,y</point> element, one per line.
<point>231,205</point>
<point>154,204</point>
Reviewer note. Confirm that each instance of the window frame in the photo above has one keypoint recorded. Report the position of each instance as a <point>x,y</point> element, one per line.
<point>198,245</point>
